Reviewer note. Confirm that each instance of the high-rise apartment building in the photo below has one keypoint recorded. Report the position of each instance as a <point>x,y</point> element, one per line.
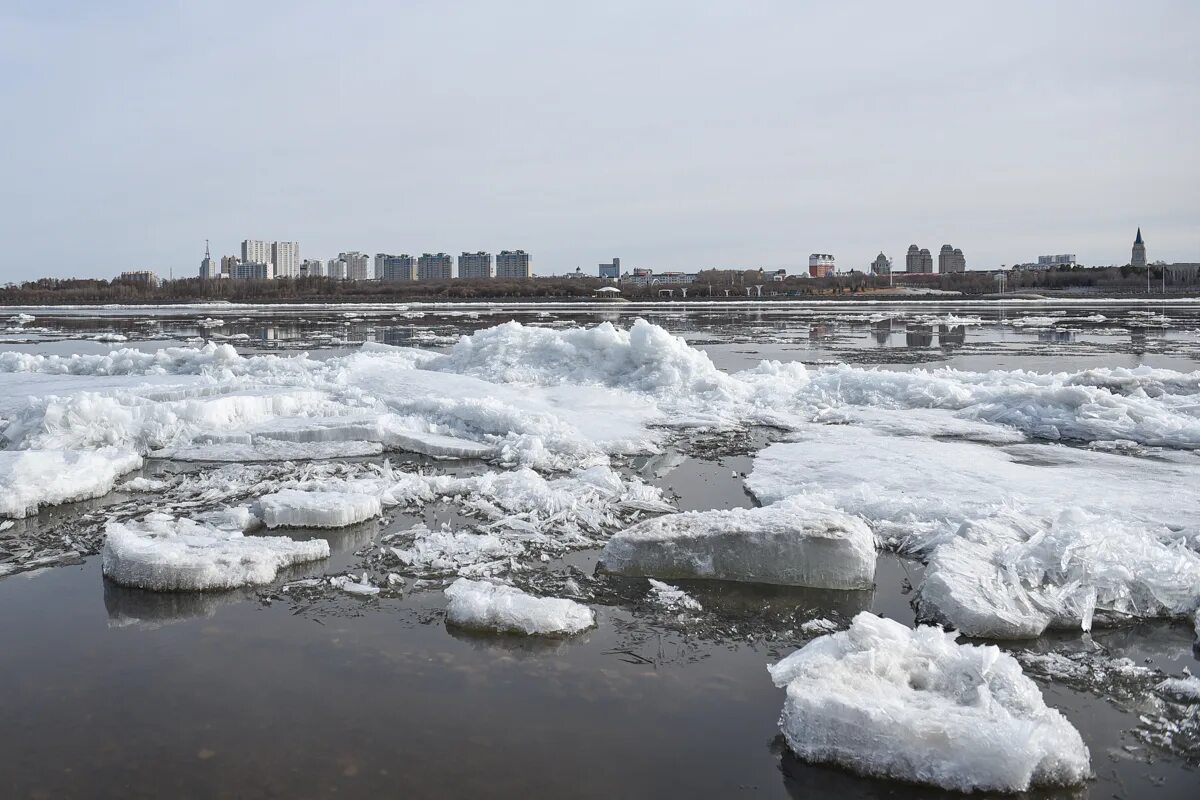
<point>475,265</point>
<point>257,251</point>
<point>912,259</point>
<point>951,259</point>
<point>285,256</point>
<point>918,260</point>
<point>1138,259</point>
<point>358,265</point>
<point>395,268</point>
<point>251,271</point>
<point>435,267</point>
<point>612,270</point>
<point>336,268</point>
<point>513,264</point>
<point>227,265</point>
<point>312,268</point>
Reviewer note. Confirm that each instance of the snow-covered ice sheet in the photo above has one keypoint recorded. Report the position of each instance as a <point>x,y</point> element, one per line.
<point>30,479</point>
<point>165,554</point>
<point>795,542</point>
<point>506,609</point>
<point>292,508</point>
<point>1019,538</point>
<point>883,700</point>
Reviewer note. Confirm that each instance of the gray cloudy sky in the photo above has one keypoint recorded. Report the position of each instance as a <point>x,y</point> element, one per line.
<point>674,135</point>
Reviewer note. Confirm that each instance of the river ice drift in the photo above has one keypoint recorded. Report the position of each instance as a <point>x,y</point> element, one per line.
<point>989,537</point>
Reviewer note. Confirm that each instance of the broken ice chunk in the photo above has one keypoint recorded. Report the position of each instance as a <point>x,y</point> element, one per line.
<point>165,554</point>
<point>883,700</point>
<point>1185,689</point>
<point>294,508</point>
<point>816,627</point>
<point>30,479</point>
<point>793,542</point>
<point>506,609</point>
<point>348,584</point>
<point>672,597</point>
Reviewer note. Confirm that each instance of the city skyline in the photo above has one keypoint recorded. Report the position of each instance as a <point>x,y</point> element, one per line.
<point>678,135</point>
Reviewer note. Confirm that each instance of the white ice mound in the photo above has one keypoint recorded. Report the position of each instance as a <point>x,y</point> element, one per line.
<point>30,479</point>
<point>506,609</point>
<point>883,700</point>
<point>644,358</point>
<point>165,554</point>
<point>793,542</point>
<point>293,508</point>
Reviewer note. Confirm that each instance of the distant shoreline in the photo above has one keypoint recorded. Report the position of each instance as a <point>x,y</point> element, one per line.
<point>592,304</point>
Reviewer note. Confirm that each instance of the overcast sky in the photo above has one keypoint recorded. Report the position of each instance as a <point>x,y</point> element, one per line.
<point>674,135</point>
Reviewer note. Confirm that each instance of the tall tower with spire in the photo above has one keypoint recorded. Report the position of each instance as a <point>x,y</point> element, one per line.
<point>1139,251</point>
<point>208,269</point>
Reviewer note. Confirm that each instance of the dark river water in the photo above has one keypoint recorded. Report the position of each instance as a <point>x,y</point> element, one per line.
<point>113,692</point>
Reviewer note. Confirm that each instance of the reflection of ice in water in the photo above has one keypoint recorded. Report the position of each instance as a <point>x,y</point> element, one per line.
<point>139,607</point>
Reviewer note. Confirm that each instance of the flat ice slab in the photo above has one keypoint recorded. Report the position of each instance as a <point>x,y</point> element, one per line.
<point>793,543</point>
<point>437,445</point>
<point>883,700</point>
<point>165,554</point>
<point>293,508</point>
<point>506,609</point>
<point>30,479</point>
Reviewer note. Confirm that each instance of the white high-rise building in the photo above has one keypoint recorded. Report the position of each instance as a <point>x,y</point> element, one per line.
<point>312,268</point>
<point>336,269</point>
<point>286,258</point>
<point>257,251</point>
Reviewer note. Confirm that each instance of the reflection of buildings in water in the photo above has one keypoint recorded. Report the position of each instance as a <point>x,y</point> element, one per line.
<point>398,336</point>
<point>882,331</point>
<point>919,336</point>
<point>1056,336</point>
<point>1137,339</point>
<point>952,335</point>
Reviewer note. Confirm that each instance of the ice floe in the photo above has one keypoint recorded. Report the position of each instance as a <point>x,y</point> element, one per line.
<point>1019,538</point>
<point>794,542</point>
<point>506,609</point>
<point>165,554</point>
<point>292,508</point>
<point>30,479</point>
<point>883,700</point>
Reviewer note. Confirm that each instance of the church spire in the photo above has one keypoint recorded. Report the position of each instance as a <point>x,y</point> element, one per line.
<point>1138,240</point>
